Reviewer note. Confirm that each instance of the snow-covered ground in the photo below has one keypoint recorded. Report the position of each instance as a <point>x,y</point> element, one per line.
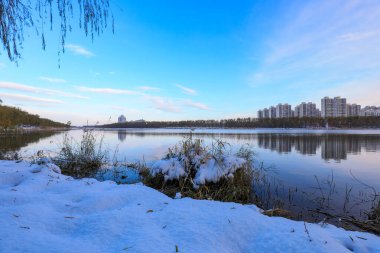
<point>44,211</point>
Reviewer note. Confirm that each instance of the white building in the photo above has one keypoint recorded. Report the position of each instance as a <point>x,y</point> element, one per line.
<point>121,119</point>
<point>260,114</point>
<point>283,111</point>
<point>353,110</point>
<point>306,110</point>
<point>272,112</point>
<point>334,107</point>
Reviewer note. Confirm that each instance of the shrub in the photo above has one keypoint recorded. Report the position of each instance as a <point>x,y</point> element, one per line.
<point>201,172</point>
<point>81,159</point>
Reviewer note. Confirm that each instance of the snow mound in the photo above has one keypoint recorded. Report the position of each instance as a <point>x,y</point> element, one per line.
<point>208,168</point>
<point>44,211</point>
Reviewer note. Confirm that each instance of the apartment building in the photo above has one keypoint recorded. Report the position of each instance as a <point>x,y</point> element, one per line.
<point>333,107</point>
<point>353,110</point>
<point>283,111</point>
<point>272,112</point>
<point>306,110</point>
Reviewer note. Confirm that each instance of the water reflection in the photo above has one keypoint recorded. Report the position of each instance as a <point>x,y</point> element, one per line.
<point>121,135</point>
<point>333,147</point>
<point>16,141</point>
<point>330,146</point>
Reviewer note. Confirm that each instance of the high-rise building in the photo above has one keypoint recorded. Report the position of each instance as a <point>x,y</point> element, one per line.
<point>333,107</point>
<point>306,110</point>
<point>266,113</point>
<point>260,114</point>
<point>353,110</point>
<point>283,111</point>
<point>272,112</point>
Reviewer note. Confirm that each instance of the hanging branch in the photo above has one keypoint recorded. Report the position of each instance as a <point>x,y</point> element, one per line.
<point>15,15</point>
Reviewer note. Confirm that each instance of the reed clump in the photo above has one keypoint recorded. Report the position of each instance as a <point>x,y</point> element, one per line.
<point>81,159</point>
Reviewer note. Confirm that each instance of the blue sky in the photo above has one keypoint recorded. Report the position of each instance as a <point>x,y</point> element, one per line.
<point>175,60</point>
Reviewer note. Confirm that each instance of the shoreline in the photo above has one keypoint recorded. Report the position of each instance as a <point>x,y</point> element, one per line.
<point>144,220</point>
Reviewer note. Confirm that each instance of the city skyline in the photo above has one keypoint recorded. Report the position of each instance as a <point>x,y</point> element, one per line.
<point>330,107</point>
<point>228,62</point>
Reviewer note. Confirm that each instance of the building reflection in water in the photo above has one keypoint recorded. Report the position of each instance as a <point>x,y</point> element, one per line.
<point>333,147</point>
<point>121,135</point>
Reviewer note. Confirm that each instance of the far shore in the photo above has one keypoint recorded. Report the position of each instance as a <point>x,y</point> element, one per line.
<point>196,130</point>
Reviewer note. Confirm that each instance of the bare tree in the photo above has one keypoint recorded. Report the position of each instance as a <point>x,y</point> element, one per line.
<point>16,15</point>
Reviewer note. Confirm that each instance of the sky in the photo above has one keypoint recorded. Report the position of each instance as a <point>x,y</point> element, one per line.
<point>201,59</point>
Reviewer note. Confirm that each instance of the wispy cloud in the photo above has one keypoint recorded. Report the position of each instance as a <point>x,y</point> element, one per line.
<point>197,105</point>
<point>186,90</point>
<point>160,103</point>
<point>33,89</point>
<point>107,90</point>
<point>52,79</point>
<point>2,65</point>
<point>323,44</point>
<point>112,72</point>
<point>163,104</point>
<point>23,98</point>
<point>148,88</point>
<point>79,50</point>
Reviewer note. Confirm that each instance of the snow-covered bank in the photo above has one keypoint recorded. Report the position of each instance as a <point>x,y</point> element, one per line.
<point>44,211</point>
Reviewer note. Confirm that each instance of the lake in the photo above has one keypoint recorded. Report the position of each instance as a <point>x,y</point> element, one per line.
<point>334,170</point>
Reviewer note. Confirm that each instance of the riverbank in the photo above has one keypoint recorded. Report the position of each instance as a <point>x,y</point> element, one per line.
<point>43,210</point>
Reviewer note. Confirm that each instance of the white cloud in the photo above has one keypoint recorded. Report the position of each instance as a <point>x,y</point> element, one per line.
<point>79,50</point>
<point>196,105</point>
<point>107,90</point>
<point>33,89</point>
<point>23,98</point>
<point>2,65</point>
<point>148,88</point>
<point>52,79</point>
<point>163,104</point>
<point>323,44</point>
<point>186,90</point>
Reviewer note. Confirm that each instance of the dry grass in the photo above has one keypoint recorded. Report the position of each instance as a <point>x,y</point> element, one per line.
<point>235,189</point>
<point>83,158</point>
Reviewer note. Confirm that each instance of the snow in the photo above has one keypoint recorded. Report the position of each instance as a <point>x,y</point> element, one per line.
<point>171,168</point>
<point>212,170</point>
<point>44,211</point>
<point>208,167</point>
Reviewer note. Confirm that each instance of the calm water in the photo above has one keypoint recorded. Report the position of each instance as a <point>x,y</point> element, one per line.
<point>300,162</point>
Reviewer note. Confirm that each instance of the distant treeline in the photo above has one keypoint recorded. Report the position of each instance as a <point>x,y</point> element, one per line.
<point>11,117</point>
<point>346,122</point>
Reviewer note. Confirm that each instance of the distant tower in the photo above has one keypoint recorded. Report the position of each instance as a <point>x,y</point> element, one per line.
<point>121,119</point>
